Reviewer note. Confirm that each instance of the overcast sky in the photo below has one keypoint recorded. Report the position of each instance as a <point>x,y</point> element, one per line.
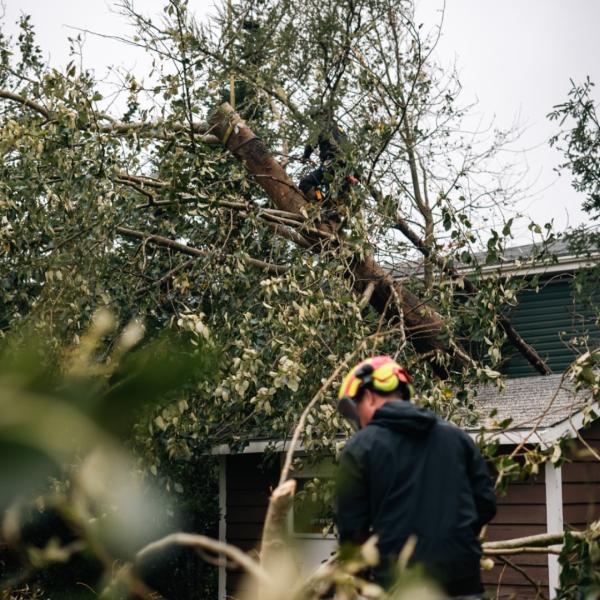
<point>514,57</point>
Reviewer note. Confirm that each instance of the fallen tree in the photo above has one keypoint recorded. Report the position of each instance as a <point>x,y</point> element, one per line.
<point>387,295</point>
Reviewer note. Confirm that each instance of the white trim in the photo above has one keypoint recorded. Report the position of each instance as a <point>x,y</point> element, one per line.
<point>222,524</point>
<point>255,447</point>
<point>526,267</point>
<point>544,436</point>
<point>554,520</point>
<point>515,267</point>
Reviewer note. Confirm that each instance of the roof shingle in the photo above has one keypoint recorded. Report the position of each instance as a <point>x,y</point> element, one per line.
<point>531,402</point>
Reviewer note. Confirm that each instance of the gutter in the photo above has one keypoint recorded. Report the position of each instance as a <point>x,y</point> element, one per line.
<point>544,436</point>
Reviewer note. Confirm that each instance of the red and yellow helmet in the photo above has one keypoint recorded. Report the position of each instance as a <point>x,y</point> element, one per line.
<point>380,373</point>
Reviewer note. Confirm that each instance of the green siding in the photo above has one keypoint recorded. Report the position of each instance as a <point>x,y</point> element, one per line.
<point>548,320</point>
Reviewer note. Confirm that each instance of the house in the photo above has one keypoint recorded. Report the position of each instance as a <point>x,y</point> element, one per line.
<point>542,409</point>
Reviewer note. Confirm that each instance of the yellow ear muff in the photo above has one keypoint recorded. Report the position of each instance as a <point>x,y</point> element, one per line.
<point>385,378</point>
<point>350,385</point>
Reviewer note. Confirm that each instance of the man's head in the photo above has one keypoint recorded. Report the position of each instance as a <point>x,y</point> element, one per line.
<point>369,385</point>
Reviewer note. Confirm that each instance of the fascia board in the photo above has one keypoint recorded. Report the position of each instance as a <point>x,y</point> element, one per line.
<point>567,263</point>
<point>545,436</point>
<point>256,447</point>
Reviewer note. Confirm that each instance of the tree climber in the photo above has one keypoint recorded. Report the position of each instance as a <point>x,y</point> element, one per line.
<point>408,473</point>
<point>316,186</point>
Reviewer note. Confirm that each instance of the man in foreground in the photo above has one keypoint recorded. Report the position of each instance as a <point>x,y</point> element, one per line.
<point>409,473</point>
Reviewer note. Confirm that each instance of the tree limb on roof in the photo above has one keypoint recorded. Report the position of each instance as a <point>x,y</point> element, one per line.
<point>423,325</point>
<point>526,350</point>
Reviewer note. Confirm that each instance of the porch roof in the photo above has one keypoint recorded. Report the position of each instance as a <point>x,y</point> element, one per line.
<point>542,409</point>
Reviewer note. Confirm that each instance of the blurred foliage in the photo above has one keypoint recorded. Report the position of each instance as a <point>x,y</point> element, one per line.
<point>67,423</point>
<point>580,568</point>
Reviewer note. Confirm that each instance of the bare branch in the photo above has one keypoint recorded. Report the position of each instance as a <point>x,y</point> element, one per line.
<point>535,584</point>
<point>25,102</point>
<point>366,297</point>
<point>521,550</point>
<point>167,276</point>
<point>274,534</point>
<point>206,543</point>
<point>543,539</point>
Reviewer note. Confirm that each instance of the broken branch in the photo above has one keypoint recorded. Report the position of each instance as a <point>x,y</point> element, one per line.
<point>159,240</point>
<point>206,543</point>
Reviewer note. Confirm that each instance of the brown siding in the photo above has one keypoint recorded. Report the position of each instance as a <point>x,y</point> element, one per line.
<point>521,512</point>
<point>249,484</point>
<point>581,481</point>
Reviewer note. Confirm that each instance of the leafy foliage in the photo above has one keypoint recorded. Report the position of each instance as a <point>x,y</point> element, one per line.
<point>73,175</point>
<point>580,569</point>
<point>581,143</point>
<point>63,424</point>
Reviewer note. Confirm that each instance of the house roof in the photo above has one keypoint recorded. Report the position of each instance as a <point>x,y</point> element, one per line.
<point>558,248</point>
<point>530,259</point>
<point>543,409</point>
<point>529,402</point>
<point>526,259</point>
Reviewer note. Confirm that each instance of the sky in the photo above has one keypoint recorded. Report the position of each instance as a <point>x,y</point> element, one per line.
<point>515,59</point>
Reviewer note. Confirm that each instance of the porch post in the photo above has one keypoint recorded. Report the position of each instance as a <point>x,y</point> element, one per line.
<point>554,519</point>
<point>222,523</point>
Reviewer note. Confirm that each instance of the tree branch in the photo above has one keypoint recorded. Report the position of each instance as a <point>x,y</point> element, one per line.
<point>25,102</point>
<point>536,585</point>
<point>521,550</point>
<point>159,240</point>
<point>206,543</point>
<point>274,534</point>
<point>526,350</point>
<point>151,128</point>
<point>543,539</point>
<point>423,325</point>
<point>167,276</point>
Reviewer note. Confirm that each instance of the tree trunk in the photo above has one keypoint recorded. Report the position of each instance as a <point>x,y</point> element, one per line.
<point>422,324</point>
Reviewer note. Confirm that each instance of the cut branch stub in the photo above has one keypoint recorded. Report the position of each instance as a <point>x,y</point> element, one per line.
<point>275,529</point>
<point>423,325</point>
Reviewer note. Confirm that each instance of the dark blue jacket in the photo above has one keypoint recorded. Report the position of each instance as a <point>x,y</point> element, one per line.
<point>411,473</point>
